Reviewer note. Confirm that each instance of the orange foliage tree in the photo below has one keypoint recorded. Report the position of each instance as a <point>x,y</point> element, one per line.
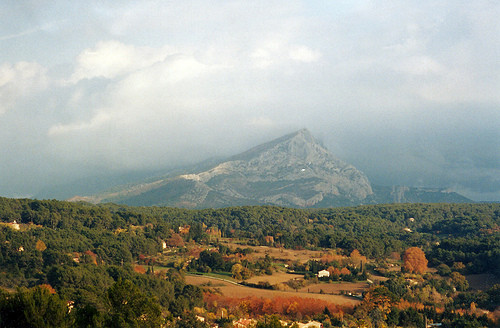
<point>357,259</point>
<point>294,307</point>
<point>378,297</point>
<point>48,287</point>
<point>139,269</point>
<point>345,271</point>
<point>414,260</point>
<point>40,246</point>
<point>175,240</point>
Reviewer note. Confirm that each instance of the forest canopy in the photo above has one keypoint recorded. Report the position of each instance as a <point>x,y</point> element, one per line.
<point>89,254</point>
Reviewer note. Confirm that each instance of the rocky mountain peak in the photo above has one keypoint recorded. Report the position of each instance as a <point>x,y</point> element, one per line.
<point>293,170</point>
<point>297,146</point>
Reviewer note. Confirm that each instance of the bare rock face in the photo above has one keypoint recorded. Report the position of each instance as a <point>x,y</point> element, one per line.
<point>294,170</point>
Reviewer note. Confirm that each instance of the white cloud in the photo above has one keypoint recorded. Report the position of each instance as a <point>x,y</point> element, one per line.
<point>112,58</point>
<point>304,54</point>
<point>420,65</point>
<point>147,85</point>
<point>277,52</point>
<point>163,91</point>
<point>20,80</point>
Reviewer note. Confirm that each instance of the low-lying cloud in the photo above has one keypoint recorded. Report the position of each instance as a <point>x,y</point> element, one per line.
<point>406,92</point>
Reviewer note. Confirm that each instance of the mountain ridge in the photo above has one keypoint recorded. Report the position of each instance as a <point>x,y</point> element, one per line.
<point>294,170</point>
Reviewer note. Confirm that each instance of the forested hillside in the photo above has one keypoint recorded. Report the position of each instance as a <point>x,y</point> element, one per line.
<point>86,253</point>
<point>468,233</point>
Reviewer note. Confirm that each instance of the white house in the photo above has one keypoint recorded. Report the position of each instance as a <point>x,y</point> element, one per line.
<point>14,225</point>
<point>323,273</point>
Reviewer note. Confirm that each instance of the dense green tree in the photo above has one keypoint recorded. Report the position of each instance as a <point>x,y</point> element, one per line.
<point>131,308</point>
<point>270,321</point>
<point>411,318</point>
<point>35,307</point>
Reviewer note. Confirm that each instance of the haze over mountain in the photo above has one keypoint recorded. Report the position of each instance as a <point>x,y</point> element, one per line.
<point>294,170</point>
<point>92,91</point>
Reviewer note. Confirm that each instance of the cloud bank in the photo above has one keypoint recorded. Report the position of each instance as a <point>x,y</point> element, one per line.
<point>407,92</point>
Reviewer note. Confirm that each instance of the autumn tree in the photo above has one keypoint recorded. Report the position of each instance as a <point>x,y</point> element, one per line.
<point>357,259</point>
<point>236,271</point>
<point>239,272</point>
<point>175,241</point>
<point>40,246</point>
<point>414,260</point>
<point>345,271</point>
<point>376,306</point>
<point>459,281</point>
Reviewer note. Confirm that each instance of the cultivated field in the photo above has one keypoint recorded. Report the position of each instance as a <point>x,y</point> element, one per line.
<point>238,291</point>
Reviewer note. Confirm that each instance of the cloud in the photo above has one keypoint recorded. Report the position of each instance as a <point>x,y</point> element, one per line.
<point>384,84</point>
<point>420,66</point>
<point>304,54</point>
<point>20,80</point>
<point>97,121</point>
<point>112,58</point>
<point>19,34</point>
<point>156,84</point>
<point>277,51</point>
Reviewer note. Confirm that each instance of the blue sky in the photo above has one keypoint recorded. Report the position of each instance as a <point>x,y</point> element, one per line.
<point>407,91</point>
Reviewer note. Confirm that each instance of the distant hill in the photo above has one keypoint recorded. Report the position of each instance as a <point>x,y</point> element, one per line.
<point>404,194</point>
<point>294,171</point>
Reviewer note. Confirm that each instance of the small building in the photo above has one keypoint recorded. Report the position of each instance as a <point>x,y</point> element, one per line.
<point>323,273</point>
<point>184,230</point>
<point>14,225</point>
<point>244,323</point>
<point>310,324</point>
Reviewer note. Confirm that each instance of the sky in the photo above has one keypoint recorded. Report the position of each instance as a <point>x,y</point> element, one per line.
<point>406,91</point>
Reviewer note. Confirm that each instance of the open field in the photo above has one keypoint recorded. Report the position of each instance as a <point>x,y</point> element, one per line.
<point>278,253</point>
<point>482,281</point>
<point>336,287</point>
<point>231,290</point>
<point>274,279</point>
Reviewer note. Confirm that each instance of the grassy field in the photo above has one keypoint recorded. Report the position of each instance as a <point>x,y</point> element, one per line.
<point>336,287</point>
<point>274,279</point>
<point>238,291</point>
<point>482,281</point>
<point>280,254</point>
